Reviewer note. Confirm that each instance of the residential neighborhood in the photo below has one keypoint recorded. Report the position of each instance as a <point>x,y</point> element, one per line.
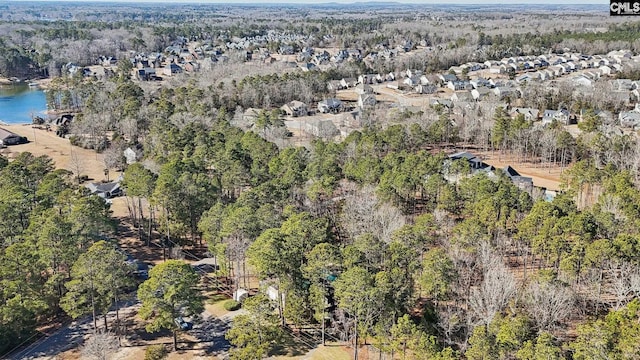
<point>365,180</point>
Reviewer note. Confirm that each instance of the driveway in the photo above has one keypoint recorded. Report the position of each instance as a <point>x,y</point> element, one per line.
<point>67,337</point>
<point>212,330</point>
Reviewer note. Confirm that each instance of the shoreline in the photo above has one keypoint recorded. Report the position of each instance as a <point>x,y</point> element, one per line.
<point>4,123</point>
<point>43,84</point>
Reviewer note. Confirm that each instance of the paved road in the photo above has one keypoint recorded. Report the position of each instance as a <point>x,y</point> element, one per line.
<point>66,338</point>
<point>210,330</point>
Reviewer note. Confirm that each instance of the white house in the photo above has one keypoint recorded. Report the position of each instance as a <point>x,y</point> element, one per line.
<point>480,93</point>
<point>426,89</point>
<point>130,155</point>
<point>606,70</point>
<point>582,81</point>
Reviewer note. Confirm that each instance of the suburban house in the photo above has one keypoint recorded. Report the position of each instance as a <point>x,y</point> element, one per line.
<point>530,114</point>
<point>367,79</point>
<point>477,166</point>
<point>295,108</point>
<point>525,77</point>
<point>445,78</point>
<point>334,85</point>
<point>504,91</point>
<point>479,82</point>
<point>426,89</point>
<point>366,100</point>
<point>106,190</point>
<point>561,116</point>
<point>606,70</point>
<point>107,61</point>
<point>462,96</point>
<point>192,66</point>
<point>395,85</point>
<point>457,85</point>
<point>497,69</point>
<point>582,81</point>
<point>331,105</point>
<point>481,93</point>
<point>475,163</point>
<point>348,83</point>
<point>9,138</point>
<point>131,156</point>
<point>413,73</point>
<point>606,117</point>
<point>623,97</point>
<point>630,119</point>
<point>172,69</point>
<point>622,85</point>
<point>441,102</point>
<point>146,74</point>
<point>306,67</point>
<point>411,81</point>
<point>522,182</point>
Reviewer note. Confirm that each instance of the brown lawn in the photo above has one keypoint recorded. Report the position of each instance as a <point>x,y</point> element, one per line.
<point>65,156</point>
<point>542,174</point>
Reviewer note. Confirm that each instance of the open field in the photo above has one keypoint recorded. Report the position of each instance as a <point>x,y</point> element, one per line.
<point>542,175</point>
<point>65,156</point>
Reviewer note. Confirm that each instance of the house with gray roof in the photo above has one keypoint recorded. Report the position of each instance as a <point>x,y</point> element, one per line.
<point>562,116</point>
<point>530,114</point>
<point>366,100</point>
<point>630,119</point>
<point>106,190</point>
<point>330,105</point>
<point>522,182</point>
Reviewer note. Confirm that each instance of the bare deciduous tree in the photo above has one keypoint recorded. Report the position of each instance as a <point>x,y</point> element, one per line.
<point>76,164</point>
<point>549,304</point>
<point>624,282</point>
<point>451,320</point>
<point>362,213</point>
<point>100,346</point>
<point>497,288</point>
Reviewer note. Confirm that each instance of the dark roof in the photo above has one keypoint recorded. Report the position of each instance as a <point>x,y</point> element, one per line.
<point>4,134</point>
<point>464,155</point>
<point>511,172</point>
<point>516,177</point>
<point>104,189</point>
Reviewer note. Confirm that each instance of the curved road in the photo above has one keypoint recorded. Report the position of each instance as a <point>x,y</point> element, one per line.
<point>66,338</point>
<point>210,330</point>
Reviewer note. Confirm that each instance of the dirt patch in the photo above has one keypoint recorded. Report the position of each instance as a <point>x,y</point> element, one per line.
<point>65,156</point>
<point>542,174</point>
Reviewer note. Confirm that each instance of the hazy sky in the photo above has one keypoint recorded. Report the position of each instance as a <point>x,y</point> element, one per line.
<point>510,2</point>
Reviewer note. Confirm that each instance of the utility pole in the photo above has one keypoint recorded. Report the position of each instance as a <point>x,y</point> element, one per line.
<point>323,325</point>
<point>355,328</point>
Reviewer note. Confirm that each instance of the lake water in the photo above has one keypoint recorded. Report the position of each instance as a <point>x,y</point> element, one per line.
<point>19,102</point>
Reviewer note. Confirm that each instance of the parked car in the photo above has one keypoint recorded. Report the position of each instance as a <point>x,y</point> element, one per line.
<point>184,325</point>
